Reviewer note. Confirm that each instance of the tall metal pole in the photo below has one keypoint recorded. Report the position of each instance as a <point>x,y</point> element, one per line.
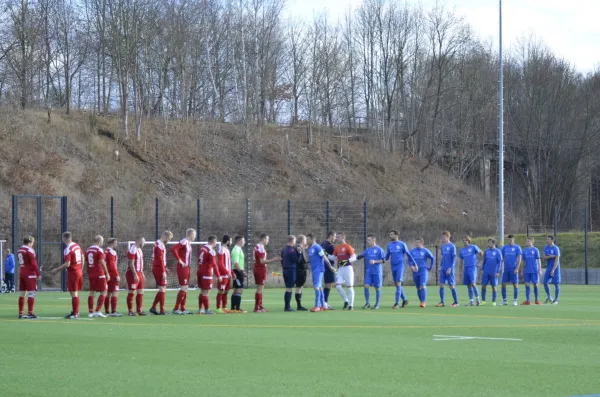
<point>500,135</point>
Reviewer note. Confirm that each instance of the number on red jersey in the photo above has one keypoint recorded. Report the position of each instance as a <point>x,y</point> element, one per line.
<point>74,256</point>
<point>94,256</point>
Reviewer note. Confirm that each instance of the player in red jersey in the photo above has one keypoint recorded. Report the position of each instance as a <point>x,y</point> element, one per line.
<point>182,252</point>
<point>159,269</point>
<point>135,277</point>
<point>260,271</point>
<point>74,265</point>
<point>112,297</point>
<point>207,263</point>
<point>29,274</point>
<point>224,264</point>
<point>95,264</point>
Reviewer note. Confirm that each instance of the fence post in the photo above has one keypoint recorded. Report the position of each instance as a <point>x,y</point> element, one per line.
<point>327,219</point>
<point>15,234</point>
<point>556,224</point>
<point>156,233</point>
<point>247,240</point>
<point>39,237</point>
<point>64,225</point>
<point>112,216</point>
<point>436,264</point>
<point>289,214</point>
<point>585,243</point>
<point>198,220</point>
<point>365,225</point>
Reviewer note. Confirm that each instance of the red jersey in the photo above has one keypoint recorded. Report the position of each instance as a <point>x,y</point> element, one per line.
<point>207,262</point>
<point>224,261</point>
<point>111,263</point>
<point>94,256</point>
<point>74,256</point>
<point>259,253</point>
<point>159,256</point>
<point>182,251</point>
<point>136,255</point>
<point>28,265</point>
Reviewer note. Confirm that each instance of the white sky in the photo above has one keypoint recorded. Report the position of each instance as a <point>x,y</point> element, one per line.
<point>568,27</point>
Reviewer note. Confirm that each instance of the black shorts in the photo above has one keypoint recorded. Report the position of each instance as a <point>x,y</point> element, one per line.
<point>289,278</point>
<point>329,276</point>
<point>239,279</point>
<point>300,278</point>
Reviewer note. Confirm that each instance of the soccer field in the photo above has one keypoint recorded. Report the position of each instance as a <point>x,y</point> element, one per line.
<point>517,351</point>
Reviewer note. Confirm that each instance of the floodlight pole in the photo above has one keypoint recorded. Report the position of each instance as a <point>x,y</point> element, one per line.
<point>500,135</point>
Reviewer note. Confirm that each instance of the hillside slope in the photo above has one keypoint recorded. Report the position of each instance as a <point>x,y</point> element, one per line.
<point>179,161</point>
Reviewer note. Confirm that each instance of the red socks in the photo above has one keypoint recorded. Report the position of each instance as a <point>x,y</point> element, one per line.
<point>107,304</point>
<point>178,300</point>
<point>257,300</point>
<point>159,299</point>
<point>224,301</point>
<point>183,301</point>
<point>101,300</point>
<point>219,301</point>
<point>139,299</point>
<point>130,302</point>
<point>90,303</point>
<point>113,303</point>
<point>203,301</point>
<point>75,305</point>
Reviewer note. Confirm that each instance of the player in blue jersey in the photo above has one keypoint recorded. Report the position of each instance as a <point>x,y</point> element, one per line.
<point>396,250</point>
<point>492,262</point>
<point>318,260</point>
<point>374,259</point>
<point>469,257</point>
<point>511,257</point>
<point>552,275</point>
<point>421,255</point>
<point>329,278</point>
<point>447,270</point>
<point>532,272</point>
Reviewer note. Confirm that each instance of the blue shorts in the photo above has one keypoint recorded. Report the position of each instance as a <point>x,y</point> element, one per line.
<point>552,280</point>
<point>510,277</point>
<point>533,278</point>
<point>489,278</point>
<point>329,276</point>
<point>317,279</point>
<point>470,275</point>
<point>445,279</point>
<point>289,277</point>
<point>420,279</point>
<point>374,279</point>
<point>398,274</point>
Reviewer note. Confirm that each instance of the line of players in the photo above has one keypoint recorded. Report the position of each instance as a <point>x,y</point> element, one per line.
<point>329,263</point>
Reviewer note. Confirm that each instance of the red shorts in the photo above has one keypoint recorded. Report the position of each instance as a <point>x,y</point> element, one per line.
<point>131,284</point>
<point>158,276</point>
<point>27,283</point>
<point>183,274</point>
<point>113,285</point>
<point>224,285</point>
<point>260,275</point>
<point>74,281</point>
<point>205,282</point>
<point>98,283</point>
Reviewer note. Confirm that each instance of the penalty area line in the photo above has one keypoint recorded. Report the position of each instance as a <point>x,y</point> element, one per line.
<point>459,337</point>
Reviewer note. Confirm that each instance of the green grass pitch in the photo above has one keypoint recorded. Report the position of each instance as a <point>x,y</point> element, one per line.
<point>361,353</point>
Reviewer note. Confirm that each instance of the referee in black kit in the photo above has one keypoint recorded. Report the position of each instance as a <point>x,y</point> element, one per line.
<point>289,260</point>
<point>301,270</point>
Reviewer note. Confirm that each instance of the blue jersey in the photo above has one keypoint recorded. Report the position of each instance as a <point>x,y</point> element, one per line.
<point>492,261</point>
<point>420,256</point>
<point>469,255</point>
<point>374,254</point>
<point>396,251</point>
<point>531,256</point>
<point>511,254</point>
<point>10,264</point>
<point>448,257</point>
<point>316,256</point>
<point>289,257</point>
<point>554,250</point>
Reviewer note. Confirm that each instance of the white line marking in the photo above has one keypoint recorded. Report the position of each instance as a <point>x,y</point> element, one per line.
<point>458,337</point>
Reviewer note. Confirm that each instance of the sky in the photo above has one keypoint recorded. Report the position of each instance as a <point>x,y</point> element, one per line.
<point>568,27</point>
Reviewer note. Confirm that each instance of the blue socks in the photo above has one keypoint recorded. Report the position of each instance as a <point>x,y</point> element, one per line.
<point>402,296</point>
<point>503,293</point>
<point>322,296</point>
<point>455,295</point>
<point>528,293</point>
<point>556,291</point>
<point>367,296</point>
<point>470,293</point>
<point>494,295</point>
<point>476,292</point>
<point>547,289</point>
<point>398,293</point>
<point>442,293</point>
<point>536,291</point>
<point>317,298</point>
<point>424,295</point>
<point>516,293</point>
<point>483,293</point>
<point>377,296</point>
